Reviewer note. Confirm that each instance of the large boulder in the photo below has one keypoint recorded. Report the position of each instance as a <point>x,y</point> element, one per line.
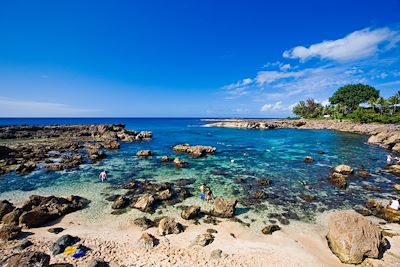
<point>200,151</point>
<point>9,232</point>
<point>37,217</point>
<point>269,229</point>
<point>12,218</point>
<point>25,167</point>
<point>164,195</point>
<point>343,169</point>
<point>224,208</point>
<point>5,207</point>
<point>27,259</point>
<point>143,222</point>
<point>352,237</point>
<point>190,212</point>
<point>168,226</point>
<point>144,203</point>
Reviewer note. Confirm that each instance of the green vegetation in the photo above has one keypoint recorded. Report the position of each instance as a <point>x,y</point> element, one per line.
<point>356,102</point>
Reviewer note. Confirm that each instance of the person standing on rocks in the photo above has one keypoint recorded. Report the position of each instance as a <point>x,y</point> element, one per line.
<point>103,176</point>
<point>202,189</point>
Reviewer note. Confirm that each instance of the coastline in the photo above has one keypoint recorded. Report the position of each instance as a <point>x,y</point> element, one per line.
<point>383,135</point>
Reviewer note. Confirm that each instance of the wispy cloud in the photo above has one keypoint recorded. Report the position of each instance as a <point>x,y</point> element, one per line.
<point>364,56</point>
<point>356,45</point>
<point>27,108</point>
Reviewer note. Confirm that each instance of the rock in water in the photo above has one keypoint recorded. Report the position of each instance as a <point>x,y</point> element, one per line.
<point>224,208</point>
<point>144,153</point>
<point>120,203</point>
<point>144,203</point>
<point>202,240</point>
<point>5,207</point>
<point>169,226</point>
<point>343,169</point>
<point>147,241</point>
<point>269,229</point>
<point>180,163</point>
<point>9,232</point>
<point>27,259</point>
<point>363,174</point>
<point>165,159</point>
<point>308,159</point>
<point>339,180</point>
<point>190,212</point>
<point>111,144</point>
<point>164,195</point>
<point>352,237</point>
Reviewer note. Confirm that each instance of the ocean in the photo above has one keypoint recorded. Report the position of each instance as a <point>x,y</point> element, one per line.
<point>243,156</point>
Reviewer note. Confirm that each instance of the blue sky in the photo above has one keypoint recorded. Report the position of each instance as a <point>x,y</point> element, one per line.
<point>190,58</point>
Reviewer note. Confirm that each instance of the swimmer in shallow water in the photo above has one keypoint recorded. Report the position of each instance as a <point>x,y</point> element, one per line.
<point>202,189</point>
<point>103,176</point>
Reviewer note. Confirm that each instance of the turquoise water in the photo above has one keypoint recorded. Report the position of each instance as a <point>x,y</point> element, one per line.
<point>274,154</point>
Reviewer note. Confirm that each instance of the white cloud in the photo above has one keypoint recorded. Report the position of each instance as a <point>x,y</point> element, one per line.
<point>278,106</point>
<point>27,108</point>
<point>267,77</point>
<point>285,67</point>
<point>356,45</point>
<point>237,89</point>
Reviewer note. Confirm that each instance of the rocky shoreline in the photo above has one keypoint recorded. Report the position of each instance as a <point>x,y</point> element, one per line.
<point>59,147</point>
<point>384,135</point>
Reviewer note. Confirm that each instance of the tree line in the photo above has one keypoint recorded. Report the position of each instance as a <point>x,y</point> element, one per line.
<point>356,102</point>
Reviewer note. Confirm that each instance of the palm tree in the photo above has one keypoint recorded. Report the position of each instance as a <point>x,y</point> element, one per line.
<point>394,101</point>
<point>372,102</point>
<point>382,104</point>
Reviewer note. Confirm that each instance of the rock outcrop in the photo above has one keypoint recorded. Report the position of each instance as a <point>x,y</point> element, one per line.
<point>9,232</point>
<point>224,208</point>
<point>352,237</point>
<point>144,203</point>
<point>144,153</point>
<point>202,240</point>
<point>195,151</point>
<point>28,259</point>
<point>384,135</point>
<point>190,213</point>
<point>147,241</point>
<point>60,147</point>
<point>180,163</point>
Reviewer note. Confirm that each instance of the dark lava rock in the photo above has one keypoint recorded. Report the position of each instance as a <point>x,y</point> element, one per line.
<point>23,245</point>
<point>12,217</point>
<point>240,180</point>
<point>144,223</point>
<point>5,207</point>
<point>9,232</point>
<point>258,194</point>
<point>55,230</point>
<point>63,242</point>
<point>269,229</point>
<point>27,259</point>
<point>96,263</point>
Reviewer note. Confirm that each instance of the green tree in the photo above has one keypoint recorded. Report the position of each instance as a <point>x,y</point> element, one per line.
<point>308,109</point>
<point>372,102</point>
<point>353,95</point>
<point>382,103</point>
<point>394,101</point>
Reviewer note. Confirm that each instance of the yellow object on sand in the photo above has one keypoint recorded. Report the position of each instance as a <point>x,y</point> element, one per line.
<point>70,250</point>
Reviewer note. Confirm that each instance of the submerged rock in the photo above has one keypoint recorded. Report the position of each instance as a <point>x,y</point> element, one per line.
<point>168,226</point>
<point>194,151</point>
<point>180,163</point>
<point>164,195</point>
<point>165,159</point>
<point>263,182</point>
<point>224,208</point>
<point>363,174</point>
<point>339,180</point>
<point>352,237</point>
<point>269,229</point>
<point>308,159</point>
<point>28,259</point>
<point>191,212</point>
<point>147,241</point>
